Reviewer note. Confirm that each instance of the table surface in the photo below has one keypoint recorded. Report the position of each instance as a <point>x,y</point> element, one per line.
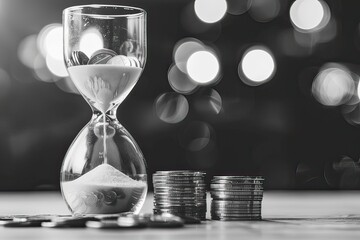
<point>286,215</point>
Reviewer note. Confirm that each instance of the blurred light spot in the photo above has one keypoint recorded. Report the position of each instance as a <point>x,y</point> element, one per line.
<point>309,15</point>
<point>210,11</point>
<point>238,7</point>
<point>264,10</point>
<point>44,40</point>
<point>180,82</point>
<point>257,66</point>
<point>352,114</point>
<point>27,50</point>
<point>56,66</point>
<point>305,173</point>
<point>5,83</point>
<point>333,86</point>
<point>343,173</point>
<point>194,26</point>
<point>171,107</point>
<point>196,136</point>
<point>53,43</point>
<point>209,100</point>
<point>203,67</point>
<point>184,49</point>
<point>67,85</point>
<point>90,41</point>
<point>41,71</point>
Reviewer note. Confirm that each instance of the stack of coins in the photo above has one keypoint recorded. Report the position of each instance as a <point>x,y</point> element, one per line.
<point>182,193</point>
<point>236,198</point>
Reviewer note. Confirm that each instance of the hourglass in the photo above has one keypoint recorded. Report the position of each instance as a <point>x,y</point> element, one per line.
<point>104,171</point>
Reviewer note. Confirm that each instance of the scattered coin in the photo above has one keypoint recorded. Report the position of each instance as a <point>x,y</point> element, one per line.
<point>165,221</point>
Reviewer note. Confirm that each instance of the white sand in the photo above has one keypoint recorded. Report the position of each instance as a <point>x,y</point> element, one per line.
<point>106,175</point>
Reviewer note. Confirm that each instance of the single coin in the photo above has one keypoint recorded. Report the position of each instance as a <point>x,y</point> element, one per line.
<point>239,182</point>
<point>120,60</point>
<point>101,56</point>
<point>134,221</point>
<point>165,220</point>
<point>240,177</point>
<point>78,58</point>
<point>179,172</point>
<point>134,61</point>
<point>109,224</point>
<point>14,224</point>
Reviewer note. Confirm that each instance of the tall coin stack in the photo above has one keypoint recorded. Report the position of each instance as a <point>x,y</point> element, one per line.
<point>236,198</point>
<point>182,193</point>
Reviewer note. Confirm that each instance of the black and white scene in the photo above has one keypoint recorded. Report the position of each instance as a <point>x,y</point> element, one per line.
<point>179,119</point>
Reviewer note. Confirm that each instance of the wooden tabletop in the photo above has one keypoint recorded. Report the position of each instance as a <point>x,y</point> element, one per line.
<point>286,215</point>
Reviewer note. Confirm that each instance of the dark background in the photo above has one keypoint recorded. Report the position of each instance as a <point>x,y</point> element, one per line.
<point>277,129</point>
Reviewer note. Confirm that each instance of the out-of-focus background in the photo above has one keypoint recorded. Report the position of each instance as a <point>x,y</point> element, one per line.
<point>247,87</point>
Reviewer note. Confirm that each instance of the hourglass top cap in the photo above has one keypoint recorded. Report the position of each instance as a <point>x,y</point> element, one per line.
<point>102,10</point>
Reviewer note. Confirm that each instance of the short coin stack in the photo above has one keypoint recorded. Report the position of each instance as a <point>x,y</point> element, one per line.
<point>236,198</point>
<point>182,193</point>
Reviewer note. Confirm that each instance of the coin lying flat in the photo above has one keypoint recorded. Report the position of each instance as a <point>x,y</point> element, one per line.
<point>165,220</point>
<point>102,224</point>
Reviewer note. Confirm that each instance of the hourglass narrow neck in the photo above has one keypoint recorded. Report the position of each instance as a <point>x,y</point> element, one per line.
<point>110,115</point>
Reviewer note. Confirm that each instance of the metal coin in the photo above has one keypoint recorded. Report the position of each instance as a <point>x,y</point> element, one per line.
<point>14,224</point>
<point>134,61</point>
<point>78,58</point>
<point>179,186</point>
<point>180,172</point>
<point>239,182</point>
<point>134,221</point>
<point>240,177</point>
<point>236,197</point>
<point>101,56</point>
<point>165,221</point>
<point>230,186</point>
<point>236,218</point>
<point>238,192</point>
<point>120,60</point>
<point>102,224</point>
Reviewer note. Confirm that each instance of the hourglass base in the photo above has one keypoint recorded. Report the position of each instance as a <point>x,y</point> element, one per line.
<point>104,171</point>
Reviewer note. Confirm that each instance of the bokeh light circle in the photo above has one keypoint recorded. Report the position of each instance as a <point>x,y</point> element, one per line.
<point>56,66</point>
<point>28,50</point>
<point>238,7</point>
<point>196,136</point>
<point>171,107</point>
<point>333,86</point>
<point>210,11</point>
<point>91,41</point>
<point>44,38</point>
<point>307,14</point>
<point>53,42</point>
<point>203,67</point>
<point>180,82</point>
<point>257,66</point>
<point>184,49</point>
<point>208,100</point>
<point>264,10</point>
